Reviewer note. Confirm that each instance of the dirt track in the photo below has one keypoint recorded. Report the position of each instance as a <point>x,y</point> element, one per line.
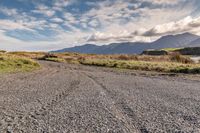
<point>64,98</point>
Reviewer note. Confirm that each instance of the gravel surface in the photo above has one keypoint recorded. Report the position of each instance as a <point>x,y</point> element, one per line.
<point>63,98</point>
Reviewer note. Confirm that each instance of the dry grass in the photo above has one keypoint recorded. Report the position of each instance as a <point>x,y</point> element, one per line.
<point>145,65</point>
<point>32,55</point>
<point>55,59</point>
<point>2,51</point>
<point>168,63</point>
<point>10,63</point>
<point>176,57</point>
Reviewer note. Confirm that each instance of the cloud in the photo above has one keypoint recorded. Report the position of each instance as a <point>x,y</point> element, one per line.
<point>60,5</point>
<point>70,18</point>
<point>136,23</point>
<point>57,20</point>
<point>8,12</point>
<point>13,44</point>
<point>171,2</point>
<point>11,25</point>
<point>94,23</point>
<point>187,24</point>
<point>45,10</point>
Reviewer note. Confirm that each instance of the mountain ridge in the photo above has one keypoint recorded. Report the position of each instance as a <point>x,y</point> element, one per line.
<point>168,41</point>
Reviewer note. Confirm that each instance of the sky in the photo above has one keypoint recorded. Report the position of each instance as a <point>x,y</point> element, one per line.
<point>44,25</point>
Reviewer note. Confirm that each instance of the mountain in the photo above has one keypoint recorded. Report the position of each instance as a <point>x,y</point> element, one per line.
<point>169,41</point>
<point>87,48</point>
<point>174,41</point>
<point>195,43</point>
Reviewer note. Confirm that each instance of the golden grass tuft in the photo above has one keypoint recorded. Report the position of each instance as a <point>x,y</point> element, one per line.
<point>10,63</point>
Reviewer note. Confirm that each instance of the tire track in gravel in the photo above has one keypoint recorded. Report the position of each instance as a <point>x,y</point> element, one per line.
<point>121,107</point>
<point>13,121</point>
<point>45,72</point>
<point>164,121</point>
<point>62,97</point>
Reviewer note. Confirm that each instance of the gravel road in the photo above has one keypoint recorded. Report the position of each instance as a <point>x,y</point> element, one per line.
<point>63,98</point>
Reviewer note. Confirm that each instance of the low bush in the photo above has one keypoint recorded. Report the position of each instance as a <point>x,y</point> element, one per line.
<point>2,51</point>
<point>54,59</point>
<point>51,57</point>
<point>176,57</point>
<point>127,57</point>
<point>48,55</point>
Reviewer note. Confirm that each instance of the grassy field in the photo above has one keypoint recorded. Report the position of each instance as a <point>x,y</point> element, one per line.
<point>11,63</point>
<point>176,63</point>
<point>31,55</point>
<point>169,67</point>
<point>171,49</point>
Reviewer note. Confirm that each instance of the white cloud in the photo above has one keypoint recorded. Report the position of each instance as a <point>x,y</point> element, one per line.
<point>62,39</point>
<point>117,28</point>
<point>164,1</point>
<point>93,23</point>
<point>12,44</point>
<point>187,24</point>
<point>42,9</point>
<point>9,12</point>
<point>59,5</point>
<point>57,20</point>
<point>108,13</point>
<point>70,18</point>
<point>11,25</point>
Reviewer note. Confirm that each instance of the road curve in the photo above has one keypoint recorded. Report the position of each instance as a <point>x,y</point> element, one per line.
<point>63,98</point>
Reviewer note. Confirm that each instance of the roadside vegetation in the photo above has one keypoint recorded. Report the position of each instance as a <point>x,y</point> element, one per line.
<point>51,57</point>
<point>173,63</point>
<point>32,55</point>
<point>2,51</point>
<point>171,49</point>
<point>145,65</point>
<point>55,59</point>
<point>10,63</point>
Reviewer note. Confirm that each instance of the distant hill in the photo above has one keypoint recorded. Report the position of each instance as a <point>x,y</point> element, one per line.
<point>87,48</point>
<point>195,43</point>
<point>169,41</point>
<point>175,41</point>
